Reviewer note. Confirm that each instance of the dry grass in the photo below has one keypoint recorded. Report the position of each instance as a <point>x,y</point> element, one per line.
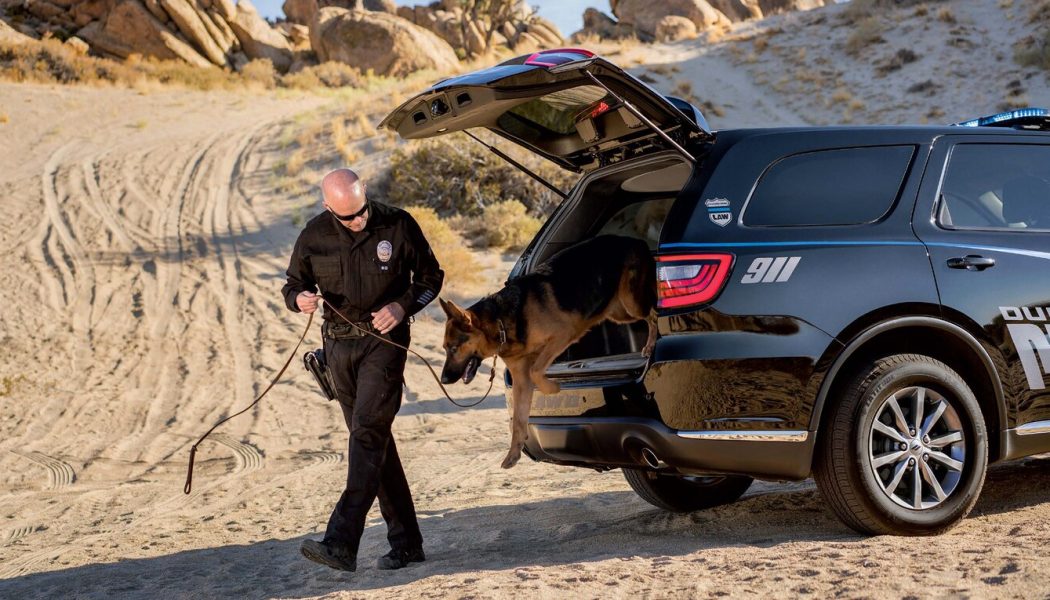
<point>51,61</point>
<point>867,32</point>
<point>504,225</point>
<point>1034,51</point>
<point>945,15</point>
<point>459,264</point>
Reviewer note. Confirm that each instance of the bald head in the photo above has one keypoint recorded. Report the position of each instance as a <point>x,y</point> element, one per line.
<point>344,194</point>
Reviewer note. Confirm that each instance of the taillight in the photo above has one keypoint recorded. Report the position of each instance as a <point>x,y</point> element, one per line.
<point>688,279</point>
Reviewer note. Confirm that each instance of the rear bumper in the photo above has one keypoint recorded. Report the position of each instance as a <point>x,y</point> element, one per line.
<point>610,442</point>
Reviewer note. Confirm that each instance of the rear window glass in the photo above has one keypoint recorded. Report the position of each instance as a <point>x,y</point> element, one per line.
<point>996,186</point>
<point>556,111</point>
<point>831,187</point>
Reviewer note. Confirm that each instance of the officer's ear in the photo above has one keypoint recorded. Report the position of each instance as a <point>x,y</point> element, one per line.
<point>456,314</point>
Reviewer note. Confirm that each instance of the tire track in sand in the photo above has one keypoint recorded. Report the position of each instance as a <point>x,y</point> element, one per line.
<point>59,473</point>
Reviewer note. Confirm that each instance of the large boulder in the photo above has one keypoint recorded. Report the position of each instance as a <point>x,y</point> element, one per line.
<point>190,24</point>
<point>673,28</point>
<point>598,24</point>
<point>300,11</point>
<point>643,15</point>
<point>382,42</point>
<point>258,39</point>
<point>131,29</point>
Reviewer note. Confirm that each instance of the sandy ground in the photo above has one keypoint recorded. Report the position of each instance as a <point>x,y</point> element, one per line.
<point>141,253</point>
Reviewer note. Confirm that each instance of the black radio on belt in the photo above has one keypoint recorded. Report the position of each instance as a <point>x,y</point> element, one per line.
<point>315,363</point>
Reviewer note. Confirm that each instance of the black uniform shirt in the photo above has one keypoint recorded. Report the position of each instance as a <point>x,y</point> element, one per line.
<point>390,261</point>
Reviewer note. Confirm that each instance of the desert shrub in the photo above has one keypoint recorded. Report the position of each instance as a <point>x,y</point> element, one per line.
<point>867,32</point>
<point>1034,51</point>
<point>260,72</point>
<point>335,74</point>
<point>451,251</point>
<point>862,9</point>
<point>505,226</point>
<point>455,175</point>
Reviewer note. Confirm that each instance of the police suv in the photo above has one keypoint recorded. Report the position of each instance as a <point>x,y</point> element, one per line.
<point>869,306</point>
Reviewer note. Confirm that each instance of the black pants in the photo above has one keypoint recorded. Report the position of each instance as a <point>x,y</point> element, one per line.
<point>368,377</point>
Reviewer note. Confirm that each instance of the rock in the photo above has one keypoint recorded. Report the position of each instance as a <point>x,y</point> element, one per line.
<point>228,37</point>
<point>382,42</point>
<point>78,45</point>
<point>643,15</point>
<point>258,39</point>
<point>673,28</point>
<point>387,6</point>
<point>298,35</point>
<point>92,10</point>
<point>595,22</point>
<point>190,24</point>
<point>130,29</point>
<point>226,8</point>
<point>546,31</point>
<point>157,10</point>
<point>10,36</point>
<point>772,7</point>
<point>300,11</point>
<point>737,10</point>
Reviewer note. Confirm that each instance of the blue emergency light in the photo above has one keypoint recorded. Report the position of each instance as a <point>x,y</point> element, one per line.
<point>1022,118</point>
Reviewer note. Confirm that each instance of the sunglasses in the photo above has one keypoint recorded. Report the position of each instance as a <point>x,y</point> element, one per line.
<point>348,218</point>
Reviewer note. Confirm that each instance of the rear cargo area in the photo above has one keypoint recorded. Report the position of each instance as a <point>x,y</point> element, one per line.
<point>632,202</point>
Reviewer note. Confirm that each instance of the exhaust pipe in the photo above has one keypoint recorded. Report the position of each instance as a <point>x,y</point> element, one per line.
<point>650,459</point>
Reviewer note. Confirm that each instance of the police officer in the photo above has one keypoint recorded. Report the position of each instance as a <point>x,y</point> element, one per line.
<point>372,263</point>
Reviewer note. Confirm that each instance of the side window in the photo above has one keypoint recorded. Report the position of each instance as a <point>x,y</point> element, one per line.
<point>831,187</point>
<point>996,186</point>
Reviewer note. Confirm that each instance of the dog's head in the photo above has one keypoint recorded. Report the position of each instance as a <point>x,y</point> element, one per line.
<point>465,344</point>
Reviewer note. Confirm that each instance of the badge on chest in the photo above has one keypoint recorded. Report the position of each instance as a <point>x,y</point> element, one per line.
<point>384,250</point>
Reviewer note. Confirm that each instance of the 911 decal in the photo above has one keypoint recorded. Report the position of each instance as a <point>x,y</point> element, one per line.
<point>1031,341</point>
<point>767,269</point>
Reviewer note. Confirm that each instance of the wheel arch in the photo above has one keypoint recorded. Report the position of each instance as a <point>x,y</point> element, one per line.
<point>946,341</point>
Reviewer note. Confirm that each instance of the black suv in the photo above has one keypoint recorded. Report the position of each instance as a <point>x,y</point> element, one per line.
<point>869,305</point>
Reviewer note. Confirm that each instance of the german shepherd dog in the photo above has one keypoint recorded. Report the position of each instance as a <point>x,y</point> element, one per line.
<point>535,317</point>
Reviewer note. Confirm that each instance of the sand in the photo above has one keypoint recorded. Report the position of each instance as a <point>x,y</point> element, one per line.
<point>142,252</point>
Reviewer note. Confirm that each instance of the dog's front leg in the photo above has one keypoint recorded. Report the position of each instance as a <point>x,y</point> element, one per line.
<point>650,342</point>
<point>521,404</point>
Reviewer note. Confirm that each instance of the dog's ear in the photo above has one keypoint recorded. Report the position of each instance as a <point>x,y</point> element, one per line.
<point>456,313</point>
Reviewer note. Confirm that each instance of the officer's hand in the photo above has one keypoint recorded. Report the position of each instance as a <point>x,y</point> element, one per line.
<point>388,317</point>
<point>307,302</point>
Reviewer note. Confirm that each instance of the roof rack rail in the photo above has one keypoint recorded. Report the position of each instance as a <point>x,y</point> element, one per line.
<point>1033,119</point>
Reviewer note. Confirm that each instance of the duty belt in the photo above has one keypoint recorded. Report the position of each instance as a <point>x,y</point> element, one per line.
<point>344,331</point>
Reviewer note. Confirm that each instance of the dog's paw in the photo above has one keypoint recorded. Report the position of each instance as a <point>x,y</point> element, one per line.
<point>648,350</point>
<point>512,459</point>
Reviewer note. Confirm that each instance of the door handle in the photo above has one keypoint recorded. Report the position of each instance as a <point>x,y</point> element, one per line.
<point>971,262</point>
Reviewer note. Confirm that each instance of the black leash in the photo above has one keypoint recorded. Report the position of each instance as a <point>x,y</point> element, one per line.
<point>193,449</point>
<point>492,377</point>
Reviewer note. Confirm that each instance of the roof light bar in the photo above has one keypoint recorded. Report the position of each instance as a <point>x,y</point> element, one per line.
<point>1013,118</point>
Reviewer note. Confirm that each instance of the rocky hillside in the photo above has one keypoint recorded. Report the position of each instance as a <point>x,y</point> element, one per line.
<point>370,35</point>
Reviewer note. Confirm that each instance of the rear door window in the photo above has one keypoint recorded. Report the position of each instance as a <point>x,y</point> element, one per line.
<point>848,186</point>
<point>996,187</point>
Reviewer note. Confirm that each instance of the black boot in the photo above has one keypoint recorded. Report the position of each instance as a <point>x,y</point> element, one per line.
<point>329,554</point>
<point>396,559</point>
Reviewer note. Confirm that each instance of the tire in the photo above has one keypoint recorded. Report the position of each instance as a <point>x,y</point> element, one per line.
<point>869,476</point>
<point>685,494</point>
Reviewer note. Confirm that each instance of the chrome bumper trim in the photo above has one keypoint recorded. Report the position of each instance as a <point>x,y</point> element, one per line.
<point>749,436</point>
<point>1034,428</point>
